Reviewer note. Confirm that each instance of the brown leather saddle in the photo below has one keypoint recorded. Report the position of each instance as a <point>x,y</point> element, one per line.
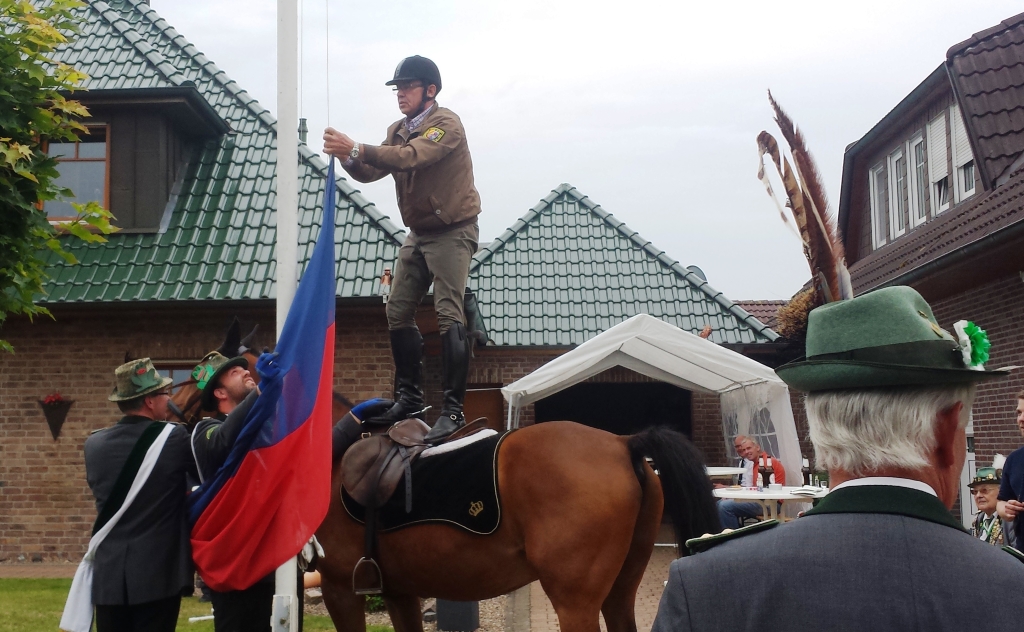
<point>372,469</point>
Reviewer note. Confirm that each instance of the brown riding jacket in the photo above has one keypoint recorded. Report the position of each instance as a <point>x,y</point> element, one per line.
<point>433,172</point>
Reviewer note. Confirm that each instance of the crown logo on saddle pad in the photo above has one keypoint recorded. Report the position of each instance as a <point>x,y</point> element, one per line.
<point>475,508</point>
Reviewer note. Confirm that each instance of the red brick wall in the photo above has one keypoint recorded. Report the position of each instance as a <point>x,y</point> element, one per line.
<point>46,508</point>
<point>998,308</point>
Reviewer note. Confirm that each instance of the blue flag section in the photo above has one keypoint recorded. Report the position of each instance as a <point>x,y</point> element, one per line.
<point>273,490</point>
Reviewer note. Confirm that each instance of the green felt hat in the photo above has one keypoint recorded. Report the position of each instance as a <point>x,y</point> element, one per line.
<point>888,337</point>
<point>986,476</point>
<point>209,370</point>
<point>135,379</point>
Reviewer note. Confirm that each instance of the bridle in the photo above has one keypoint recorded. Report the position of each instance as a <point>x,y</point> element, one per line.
<point>192,402</point>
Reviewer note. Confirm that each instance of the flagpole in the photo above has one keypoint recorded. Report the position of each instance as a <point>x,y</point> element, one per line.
<point>286,616</point>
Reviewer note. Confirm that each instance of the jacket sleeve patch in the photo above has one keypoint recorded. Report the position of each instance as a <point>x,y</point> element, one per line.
<point>434,133</point>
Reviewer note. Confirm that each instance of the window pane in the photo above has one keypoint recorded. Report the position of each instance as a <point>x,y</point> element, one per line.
<point>919,172</point>
<point>93,149</point>
<point>942,191</point>
<point>880,205</point>
<point>968,170</point>
<point>61,149</point>
<point>86,179</point>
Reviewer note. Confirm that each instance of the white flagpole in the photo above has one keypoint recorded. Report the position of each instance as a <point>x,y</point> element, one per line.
<point>286,616</point>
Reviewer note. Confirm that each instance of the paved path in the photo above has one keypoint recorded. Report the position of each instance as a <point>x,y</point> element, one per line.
<point>37,571</point>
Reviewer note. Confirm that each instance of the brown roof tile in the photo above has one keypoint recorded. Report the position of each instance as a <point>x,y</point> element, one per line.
<point>987,71</point>
<point>956,228</point>
<point>764,311</point>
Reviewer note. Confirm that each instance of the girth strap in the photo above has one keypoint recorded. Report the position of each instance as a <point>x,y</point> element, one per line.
<point>407,464</point>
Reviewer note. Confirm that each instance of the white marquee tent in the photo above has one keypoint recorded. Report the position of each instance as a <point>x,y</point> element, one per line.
<point>754,400</point>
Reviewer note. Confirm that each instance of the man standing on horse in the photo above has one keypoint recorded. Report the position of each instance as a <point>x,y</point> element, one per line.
<point>889,397</point>
<point>427,154</point>
<point>227,387</point>
<point>143,564</point>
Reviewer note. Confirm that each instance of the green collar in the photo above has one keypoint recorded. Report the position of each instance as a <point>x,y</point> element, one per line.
<point>133,419</point>
<point>887,499</point>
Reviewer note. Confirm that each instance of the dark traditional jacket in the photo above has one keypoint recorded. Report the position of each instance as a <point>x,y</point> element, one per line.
<point>146,556</point>
<point>866,558</point>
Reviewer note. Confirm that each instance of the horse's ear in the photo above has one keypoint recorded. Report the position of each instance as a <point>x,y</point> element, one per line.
<point>232,340</point>
<point>248,342</point>
<point>128,356</point>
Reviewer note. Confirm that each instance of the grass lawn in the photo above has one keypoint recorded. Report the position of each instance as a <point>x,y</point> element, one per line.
<point>35,605</point>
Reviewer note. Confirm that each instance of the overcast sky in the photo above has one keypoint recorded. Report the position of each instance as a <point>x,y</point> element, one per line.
<point>649,108</point>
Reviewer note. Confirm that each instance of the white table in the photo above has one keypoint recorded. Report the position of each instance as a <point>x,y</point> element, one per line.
<point>725,471</point>
<point>768,498</point>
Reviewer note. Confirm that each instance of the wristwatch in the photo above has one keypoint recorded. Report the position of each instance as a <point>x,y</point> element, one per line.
<point>354,154</point>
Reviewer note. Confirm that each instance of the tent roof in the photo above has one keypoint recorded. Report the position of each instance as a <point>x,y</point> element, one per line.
<point>649,346</point>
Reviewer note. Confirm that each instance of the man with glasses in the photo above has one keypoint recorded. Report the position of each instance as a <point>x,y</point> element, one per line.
<point>143,565</point>
<point>987,525</point>
<point>427,155</point>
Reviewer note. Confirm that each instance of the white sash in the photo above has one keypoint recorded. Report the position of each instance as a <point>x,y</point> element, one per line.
<point>77,615</point>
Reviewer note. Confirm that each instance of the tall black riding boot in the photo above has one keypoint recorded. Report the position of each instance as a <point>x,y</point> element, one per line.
<point>407,349</point>
<point>454,372</point>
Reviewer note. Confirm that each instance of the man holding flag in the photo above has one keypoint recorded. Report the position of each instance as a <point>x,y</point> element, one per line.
<point>227,387</point>
<point>266,467</point>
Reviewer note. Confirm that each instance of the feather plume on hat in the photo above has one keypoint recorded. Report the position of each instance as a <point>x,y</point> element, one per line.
<point>815,224</point>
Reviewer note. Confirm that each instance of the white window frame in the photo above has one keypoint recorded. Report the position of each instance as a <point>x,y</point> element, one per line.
<point>879,225</point>
<point>917,180</point>
<point>897,208</point>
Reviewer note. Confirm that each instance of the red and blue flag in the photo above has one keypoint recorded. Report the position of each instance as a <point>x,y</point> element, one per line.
<point>273,490</point>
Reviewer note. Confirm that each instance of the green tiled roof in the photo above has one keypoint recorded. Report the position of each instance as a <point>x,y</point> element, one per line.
<point>218,240</point>
<point>568,270</point>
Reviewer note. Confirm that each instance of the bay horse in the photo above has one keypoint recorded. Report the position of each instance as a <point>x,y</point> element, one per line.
<point>581,509</point>
<point>185,404</point>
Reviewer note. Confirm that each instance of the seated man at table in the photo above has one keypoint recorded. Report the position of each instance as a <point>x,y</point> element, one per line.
<point>731,511</point>
<point>889,397</point>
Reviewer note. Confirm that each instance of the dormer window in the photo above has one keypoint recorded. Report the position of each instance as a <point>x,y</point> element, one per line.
<point>83,167</point>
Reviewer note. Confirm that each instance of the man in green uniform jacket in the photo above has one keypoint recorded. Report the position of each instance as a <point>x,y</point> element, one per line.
<point>889,396</point>
<point>427,155</point>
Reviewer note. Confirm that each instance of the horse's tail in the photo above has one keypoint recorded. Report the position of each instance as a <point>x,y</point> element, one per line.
<point>689,501</point>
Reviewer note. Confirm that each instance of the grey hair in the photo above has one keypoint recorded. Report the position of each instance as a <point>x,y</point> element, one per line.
<point>870,430</point>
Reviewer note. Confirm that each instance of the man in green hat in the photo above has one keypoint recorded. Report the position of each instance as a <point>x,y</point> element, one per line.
<point>144,563</point>
<point>987,525</point>
<point>889,396</point>
<point>228,392</point>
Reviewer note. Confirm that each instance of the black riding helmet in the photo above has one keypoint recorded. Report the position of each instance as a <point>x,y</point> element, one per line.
<point>416,67</point>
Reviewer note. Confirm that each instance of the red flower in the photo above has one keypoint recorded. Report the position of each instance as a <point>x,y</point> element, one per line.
<point>53,398</point>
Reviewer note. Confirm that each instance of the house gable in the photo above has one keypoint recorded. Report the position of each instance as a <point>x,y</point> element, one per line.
<point>980,235</point>
<point>910,168</point>
<point>568,270</point>
<point>217,230</point>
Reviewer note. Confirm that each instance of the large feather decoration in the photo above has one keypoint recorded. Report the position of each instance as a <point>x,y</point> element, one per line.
<point>808,204</point>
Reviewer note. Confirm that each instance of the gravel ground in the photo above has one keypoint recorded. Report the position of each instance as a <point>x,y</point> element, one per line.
<point>492,614</point>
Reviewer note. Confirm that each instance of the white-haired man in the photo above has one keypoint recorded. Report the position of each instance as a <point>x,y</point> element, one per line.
<point>889,396</point>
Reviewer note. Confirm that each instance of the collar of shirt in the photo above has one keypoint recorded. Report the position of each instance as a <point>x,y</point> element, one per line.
<point>891,481</point>
<point>413,123</point>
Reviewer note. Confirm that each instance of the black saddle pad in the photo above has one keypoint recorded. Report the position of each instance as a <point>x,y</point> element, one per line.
<point>459,488</point>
